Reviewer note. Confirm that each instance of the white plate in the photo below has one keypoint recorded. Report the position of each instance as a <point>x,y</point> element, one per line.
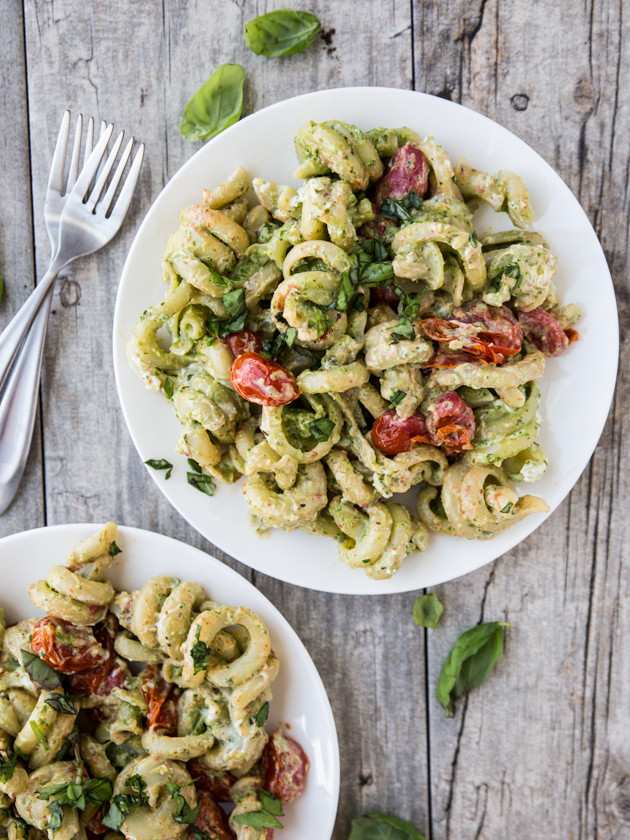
<point>299,698</point>
<point>577,387</point>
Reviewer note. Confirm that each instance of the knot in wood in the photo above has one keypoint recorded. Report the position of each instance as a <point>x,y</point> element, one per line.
<point>70,293</point>
<point>520,101</point>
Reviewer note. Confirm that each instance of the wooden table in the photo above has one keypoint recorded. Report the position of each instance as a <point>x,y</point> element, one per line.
<point>543,749</point>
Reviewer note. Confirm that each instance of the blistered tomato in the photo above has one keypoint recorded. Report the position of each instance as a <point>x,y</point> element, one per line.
<point>262,381</point>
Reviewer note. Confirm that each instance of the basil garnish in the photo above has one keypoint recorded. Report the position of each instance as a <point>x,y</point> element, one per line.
<point>7,766</point>
<point>168,387</point>
<point>473,239</point>
<point>283,32</point>
<point>471,659</point>
<point>61,703</point>
<point>400,211</point>
<point>122,803</point>
<point>257,819</point>
<point>160,464</point>
<point>271,804</point>
<point>321,429</point>
<point>203,483</point>
<point>114,550</point>
<point>428,610</point>
<point>273,348</point>
<point>235,315</point>
<point>56,816</point>
<point>216,105</point>
<point>77,795</point>
<point>397,397</point>
<point>39,671</point>
<point>200,653</point>
<point>260,719</point>
<point>194,466</point>
<point>369,267</point>
<point>39,735</point>
<point>383,827</point>
<point>184,815</point>
<point>120,754</point>
<point>403,329</point>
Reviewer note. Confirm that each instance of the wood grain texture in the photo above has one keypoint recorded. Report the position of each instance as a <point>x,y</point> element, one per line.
<point>543,748</point>
<point>16,238</point>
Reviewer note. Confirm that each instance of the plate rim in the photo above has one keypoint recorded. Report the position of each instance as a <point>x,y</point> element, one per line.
<point>609,376</point>
<point>231,575</point>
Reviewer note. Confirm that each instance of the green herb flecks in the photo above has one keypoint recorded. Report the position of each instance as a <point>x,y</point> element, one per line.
<point>471,659</point>
<point>216,105</point>
<point>283,32</point>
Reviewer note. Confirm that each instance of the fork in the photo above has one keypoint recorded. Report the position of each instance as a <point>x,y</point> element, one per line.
<point>79,221</point>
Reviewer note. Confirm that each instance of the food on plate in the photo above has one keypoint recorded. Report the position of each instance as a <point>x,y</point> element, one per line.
<point>179,749</point>
<point>343,342</point>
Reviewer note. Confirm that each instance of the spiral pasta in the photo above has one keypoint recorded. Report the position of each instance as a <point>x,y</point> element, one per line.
<point>87,743</point>
<point>330,342</point>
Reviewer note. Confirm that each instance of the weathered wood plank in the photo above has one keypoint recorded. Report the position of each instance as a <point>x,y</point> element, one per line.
<point>542,746</point>
<point>16,239</point>
<point>366,656</point>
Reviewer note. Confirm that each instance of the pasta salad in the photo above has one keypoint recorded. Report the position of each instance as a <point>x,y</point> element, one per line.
<point>344,342</point>
<point>91,746</point>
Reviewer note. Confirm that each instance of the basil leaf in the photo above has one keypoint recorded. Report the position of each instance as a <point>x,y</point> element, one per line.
<point>377,274</point>
<point>236,315</point>
<point>217,104</point>
<point>118,811</point>
<point>39,671</point>
<point>138,784</point>
<point>200,835</point>
<point>322,322</point>
<point>396,398</point>
<point>471,659</point>
<point>290,335</point>
<point>403,329</point>
<point>194,466</point>
<point>62,703</point>
<point>120,754</point>
<point>321,429</point>
<point>160,464</point>
<point>271,804</point>
<point>51,790</point>
<point>200,653</point>
<point>283,32</point>
<point>11,665</point>
<point>168,387</point>
<point>114,550</point>
<point>347,289</point>
<point>56,816</point>
<point>512,270</point>
<point>7,766</point>
<point>39,735</point>
<point>428,610</point>
<point>473,239</point>
<point>399,211</point>
<point>375,249</point>
<point>257,819</point>
<point>508,507</point>
<point>401,825</point>
<point>262,714</point>
<point>203,483</point>
<point>234,301</point>
<point>98,790</point>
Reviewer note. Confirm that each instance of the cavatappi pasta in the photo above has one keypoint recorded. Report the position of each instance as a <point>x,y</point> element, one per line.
<point>346,341</point>
<point>90,747</point>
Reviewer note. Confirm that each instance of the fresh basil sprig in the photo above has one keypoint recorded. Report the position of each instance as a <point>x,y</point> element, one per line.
<point>39,671</point>
<point>471,659</point>
<point>160,464</point>
<point>383,827</point>
<point>401,211</point>
<point>217,104</point>
<point>283,32</point>
<point>428,610</point>
<point>61,703</point>
<point>77,794</point>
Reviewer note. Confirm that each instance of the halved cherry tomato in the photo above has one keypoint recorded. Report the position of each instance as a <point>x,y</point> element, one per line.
<point>161,698</point>
<point>218,787</point>
<point>211,818</point>
<point>393,434</point>
<point>66,647</point>
<point>572,335</point>
<point>450,359</point>
<point>262,381</point>
<point>384,294</point>
<point>451,423</point>
<point>284,767</point>
<point>544,332</point>
<point>245,341</point>
<point>476,340</point>
<point>408,171</point>
<point>94,680</point>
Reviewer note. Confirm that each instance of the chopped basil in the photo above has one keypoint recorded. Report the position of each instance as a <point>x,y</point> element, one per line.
<point>272,349</point>
<point>11,665</point>
<point>234,301</point>
<point>56,816</point>
<point>62,703</point>
<point>471,659</point>
<point>271,804</point>
<point>216,105</point>
<point>257,819</point>
<point>160,464</point>
<point>473,239</point>
<point>7,766</point>
<point>321,429</point>
<point>260,719</point>
<point>235,317</point>
<point>427,610</point>
<point>200,835</point>
<point>347,289</point>
<point>321,320</point>
<point>397,397</point>
<point>377,274</point>
<point>39,735</point>
<point>114,550</point>
<point>203,483</point>
<point>282,32</point>
<point>512,270</point>
<point>403,329</point>
<point>138,784</point>
<point>120,754</point>
<point>122,803</point>
<point>184,815</point>
<point>200,653</point>
<point>400,211</point>
<point>383,827</point>
<point>375,249</point>
<point>168,387</point>
<point>508,507</point>
<point>39,671</point>
<point>194,466</point>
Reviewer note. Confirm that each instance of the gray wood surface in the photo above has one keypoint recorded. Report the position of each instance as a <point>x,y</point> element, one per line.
<point>543,749</point>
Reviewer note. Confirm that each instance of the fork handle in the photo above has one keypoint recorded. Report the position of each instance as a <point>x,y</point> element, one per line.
<point>18,405</point>
<point>15,332</point>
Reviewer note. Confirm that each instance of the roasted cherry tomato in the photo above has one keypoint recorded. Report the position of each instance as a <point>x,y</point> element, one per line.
<point>66,647</point>
<point>262,381</point>
<point>384,294</point>
<point>211,818</point>
<point>544,332</point>
<point>572,335</point>
<point>451,423</point>
<point>245,341</point>
<point>284,767</point>
<point>408,171</point>
<point>161,699</point>
<point>94,680</point>
<point>393,434</point>
<point>473,339</point>
<point>96,827</point>
<point>450,359</point>
<point>217,786</point>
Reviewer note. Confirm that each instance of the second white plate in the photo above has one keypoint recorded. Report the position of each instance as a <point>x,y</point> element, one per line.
<point>572,423</point>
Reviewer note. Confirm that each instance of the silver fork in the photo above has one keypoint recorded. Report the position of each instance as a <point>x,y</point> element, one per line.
<point>79,220</point>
